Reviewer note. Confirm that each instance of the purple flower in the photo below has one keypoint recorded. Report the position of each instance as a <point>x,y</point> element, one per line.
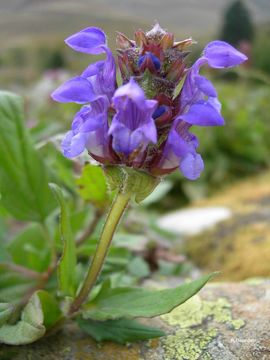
<point>98,79</point>
<point>89,122</point>
<point>132,126</point>
<point>141,123</point>
<point>181,144</point>
<point>198,100</point>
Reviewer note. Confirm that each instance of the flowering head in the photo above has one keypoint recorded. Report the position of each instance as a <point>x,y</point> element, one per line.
<point>145,122</point>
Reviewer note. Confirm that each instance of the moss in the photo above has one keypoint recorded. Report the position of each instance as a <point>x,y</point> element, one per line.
<point>237,248</point>
<point>191,340</point>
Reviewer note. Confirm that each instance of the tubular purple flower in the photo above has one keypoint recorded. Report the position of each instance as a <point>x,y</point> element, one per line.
<point>198,101</point>
<point>133,126</point>
<point>98,78</point>
<point>102,75</point>
<point>88,121</point>
<point>180,151</point>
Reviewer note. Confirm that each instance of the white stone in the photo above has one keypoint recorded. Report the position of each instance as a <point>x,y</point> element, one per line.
<point>193,221</point>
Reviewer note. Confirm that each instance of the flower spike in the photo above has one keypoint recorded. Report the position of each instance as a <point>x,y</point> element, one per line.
<point>143,123</point>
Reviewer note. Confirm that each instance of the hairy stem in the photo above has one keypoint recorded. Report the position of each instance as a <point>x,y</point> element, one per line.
<point>118,207</point>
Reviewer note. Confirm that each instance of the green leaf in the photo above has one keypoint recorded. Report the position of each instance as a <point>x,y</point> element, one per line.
<point>92,186</point>
<point>30,248</point>
<point>138,267</point>
<point>23,175</point>
<point>113,303</point>
<point>67,264</point>
<point>50,308</point>
<point>13,286</point>
<point>29,329</point>
<point>121,331</point>
<point>6,310</point>
<point>78,219</point>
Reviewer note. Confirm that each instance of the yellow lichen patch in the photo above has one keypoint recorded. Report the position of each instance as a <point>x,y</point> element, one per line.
<point>194,332</point>
<point>238,324</point>
<point>194,311</point>
<point>188,344</point>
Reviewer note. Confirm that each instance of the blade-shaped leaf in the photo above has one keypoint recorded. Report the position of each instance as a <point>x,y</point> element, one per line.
<point>67,264</point>
<point>23,176</point>
<point>113,303</point>
<point>121,331</point>
<point>29,329</point>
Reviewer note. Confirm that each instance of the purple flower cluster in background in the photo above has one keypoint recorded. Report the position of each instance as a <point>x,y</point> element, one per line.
<point>144,122</point>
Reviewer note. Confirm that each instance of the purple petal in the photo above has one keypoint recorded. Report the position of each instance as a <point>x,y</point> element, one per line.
<point>192,166</point>
<point>130,91</point>
<point>73,144</point>
<point>205,85</point>
<point>149,131</point>
<point>98,143</point>
<point>202,114</point>
<point>213,101</point>
<point>178,145</point>
<point>77,90</point>
<point>220,54</point>
<point>93,69</point>
<point>125,141</point>
<point>88,41</point>
<point>92,117</point>
<point>102,75</point>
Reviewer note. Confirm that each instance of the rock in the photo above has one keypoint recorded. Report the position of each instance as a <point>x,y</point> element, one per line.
<point>182,221</point>
<point>239,246</point>
<point>226,321</point>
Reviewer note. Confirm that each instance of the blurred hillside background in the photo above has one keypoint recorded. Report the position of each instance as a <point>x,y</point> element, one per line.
<point>34,60</point>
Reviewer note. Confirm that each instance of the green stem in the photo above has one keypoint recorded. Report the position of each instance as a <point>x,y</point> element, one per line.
<point>118,207</point>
